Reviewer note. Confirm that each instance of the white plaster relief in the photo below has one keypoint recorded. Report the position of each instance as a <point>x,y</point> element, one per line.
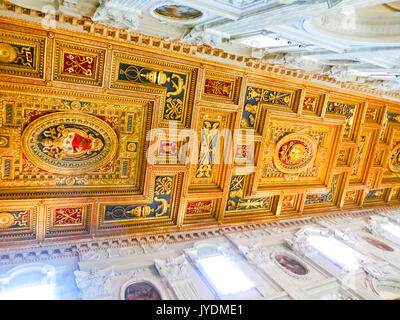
<point>96,284</point>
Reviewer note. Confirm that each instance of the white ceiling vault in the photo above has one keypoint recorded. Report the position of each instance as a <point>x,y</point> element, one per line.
<point>349,40</point>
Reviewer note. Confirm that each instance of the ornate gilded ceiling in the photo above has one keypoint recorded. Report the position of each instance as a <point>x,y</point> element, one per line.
<point>104,139</point>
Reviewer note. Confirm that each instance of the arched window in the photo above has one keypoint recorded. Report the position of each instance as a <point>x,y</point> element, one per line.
<point>220,270</point>
<point>34,282</point>
<point>392,228</point>
<point>311,241</point>
<point>336,251</point>
<point>384,228</point>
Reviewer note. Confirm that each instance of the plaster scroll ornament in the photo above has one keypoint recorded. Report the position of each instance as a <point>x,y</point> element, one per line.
<point>199,35</point>
<point>375,278</point>
<point>339,73</point>
<point>375,225</point>
<point>291,61</point>
<point>173,269</point>
<point>256,254</point>
<point>343,74</point>
<point>70,6</point>
<point>385,85</point>
<point>299,242</point>
<point>112,16</point>
<point>347,236</point>
<point>93,255</point>
<point>95,284</point>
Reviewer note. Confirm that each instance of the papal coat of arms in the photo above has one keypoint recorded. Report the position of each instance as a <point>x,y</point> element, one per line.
<point>69,143</point>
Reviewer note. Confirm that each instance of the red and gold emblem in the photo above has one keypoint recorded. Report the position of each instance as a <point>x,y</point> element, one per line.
<point>79,64</point>
<point>295,153</point>
<point>218,87</point>
<point>68,216</point>
<point>69,143</point>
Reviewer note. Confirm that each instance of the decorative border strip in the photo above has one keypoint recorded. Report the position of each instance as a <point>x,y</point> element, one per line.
<point>65,251</point>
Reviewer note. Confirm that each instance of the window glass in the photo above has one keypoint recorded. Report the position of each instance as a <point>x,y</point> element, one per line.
<point>38,292</point>
<point>392,229</point>
<point>336,251</point>
<point>224,275</point>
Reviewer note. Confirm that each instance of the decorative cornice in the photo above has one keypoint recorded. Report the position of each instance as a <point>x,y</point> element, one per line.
<point>86,25</point>
<point>65,250</point>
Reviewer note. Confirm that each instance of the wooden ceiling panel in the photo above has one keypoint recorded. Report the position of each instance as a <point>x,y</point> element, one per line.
<point>103,139</point>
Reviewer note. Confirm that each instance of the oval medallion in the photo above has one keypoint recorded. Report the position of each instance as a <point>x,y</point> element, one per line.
<point>291,264</point>
<point>378,244</point>
<point>178,12</point>
<point>8,53</point>
<point>6,220</point>
<point>394,160</point>
<point>294,153</point>
<point>69,143</point>
<point>142,291</point>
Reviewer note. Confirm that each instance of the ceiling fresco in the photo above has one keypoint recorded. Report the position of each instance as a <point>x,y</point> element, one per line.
<point>104,139</point>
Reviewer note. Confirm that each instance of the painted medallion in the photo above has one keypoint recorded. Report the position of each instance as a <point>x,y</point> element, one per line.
<point>291,264</point>
<point>6,220</point>
<point>178,12</point>
<point>295,153</point>
<point>394,160</point>
<point>69,143</point>
<point>378,244</point>
<point>141,291</point>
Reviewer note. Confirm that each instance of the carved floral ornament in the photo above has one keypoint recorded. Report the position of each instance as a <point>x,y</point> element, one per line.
<point>173,269</point>
<point>96,283</point>
<point>394,159</point>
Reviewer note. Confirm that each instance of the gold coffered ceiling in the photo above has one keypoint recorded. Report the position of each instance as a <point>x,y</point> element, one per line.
<point>108,139</point>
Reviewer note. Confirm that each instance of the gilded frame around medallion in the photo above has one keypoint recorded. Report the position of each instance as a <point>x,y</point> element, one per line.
<point>32,131</point>
<point>300,139</point>
<point>282,108</point>
<point>107,108</point>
